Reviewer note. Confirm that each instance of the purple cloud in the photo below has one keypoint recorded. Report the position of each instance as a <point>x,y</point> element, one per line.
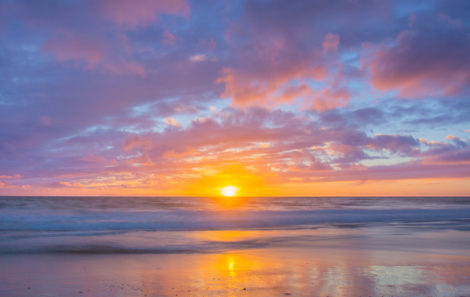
<point>141,95</point>
<point>429,59</point>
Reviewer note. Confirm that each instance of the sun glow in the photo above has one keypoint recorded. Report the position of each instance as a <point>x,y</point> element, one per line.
<point>229,191</point>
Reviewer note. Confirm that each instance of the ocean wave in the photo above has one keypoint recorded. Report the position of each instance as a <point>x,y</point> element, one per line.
<point>162,225</point>
<point>221,220</point>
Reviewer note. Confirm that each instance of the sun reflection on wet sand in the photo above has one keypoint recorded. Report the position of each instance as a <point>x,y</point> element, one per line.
<point>320,262</point>
<point>260,272</point>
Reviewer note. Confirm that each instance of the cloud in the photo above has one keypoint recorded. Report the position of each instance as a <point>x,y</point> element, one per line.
<point>168,38</point>
<point>331,99</point>
<point>152,96</point>
<point>394,143</point>
<point>93,34</point>
<point>172,122</point>
<point>427,60</point>
<point>331,42</point>
<point>198,58</point>
<point>141,12</point>
<point>281,49</point>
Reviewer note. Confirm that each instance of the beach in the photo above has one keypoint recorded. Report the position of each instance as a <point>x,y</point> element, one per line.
<point>161,148</point>
<point>185,247</point>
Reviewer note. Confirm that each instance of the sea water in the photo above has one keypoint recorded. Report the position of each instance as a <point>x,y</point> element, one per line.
<point>167,224</point>
<point>234,246</point>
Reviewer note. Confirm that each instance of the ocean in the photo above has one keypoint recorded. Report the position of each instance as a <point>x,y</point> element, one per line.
<point>394,245</point>
<point>96,224</point>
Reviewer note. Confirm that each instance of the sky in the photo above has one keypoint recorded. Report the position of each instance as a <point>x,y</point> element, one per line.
<point>288,98</point>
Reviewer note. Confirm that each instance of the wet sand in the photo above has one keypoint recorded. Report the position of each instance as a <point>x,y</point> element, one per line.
<point>322,262</point>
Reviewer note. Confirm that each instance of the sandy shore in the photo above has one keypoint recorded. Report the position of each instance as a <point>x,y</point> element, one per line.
<point>402,265</point>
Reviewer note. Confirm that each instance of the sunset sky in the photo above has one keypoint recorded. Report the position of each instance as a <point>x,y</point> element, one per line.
<point>142,97</point>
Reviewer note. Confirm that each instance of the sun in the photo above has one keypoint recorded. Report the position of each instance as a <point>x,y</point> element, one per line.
<point>229,191</point>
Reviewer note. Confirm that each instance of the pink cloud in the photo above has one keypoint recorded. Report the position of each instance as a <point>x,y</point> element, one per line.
<point>46,121</point>
<point>331,42</point>
<point>93,54</point>
<point>272,143</point>
<point>424,61</point>
<point>94,35</point>
<point>150,112</point>
<point>252,88</point>
<point>16,176</point>
<point>141,12</point>
<point>72,47</point>
<point>136,141</point>
<point>276,64</point>
<point>122,66</point>
<point>168,38</point>
<point>290,93</point>
<point>331,98</point>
